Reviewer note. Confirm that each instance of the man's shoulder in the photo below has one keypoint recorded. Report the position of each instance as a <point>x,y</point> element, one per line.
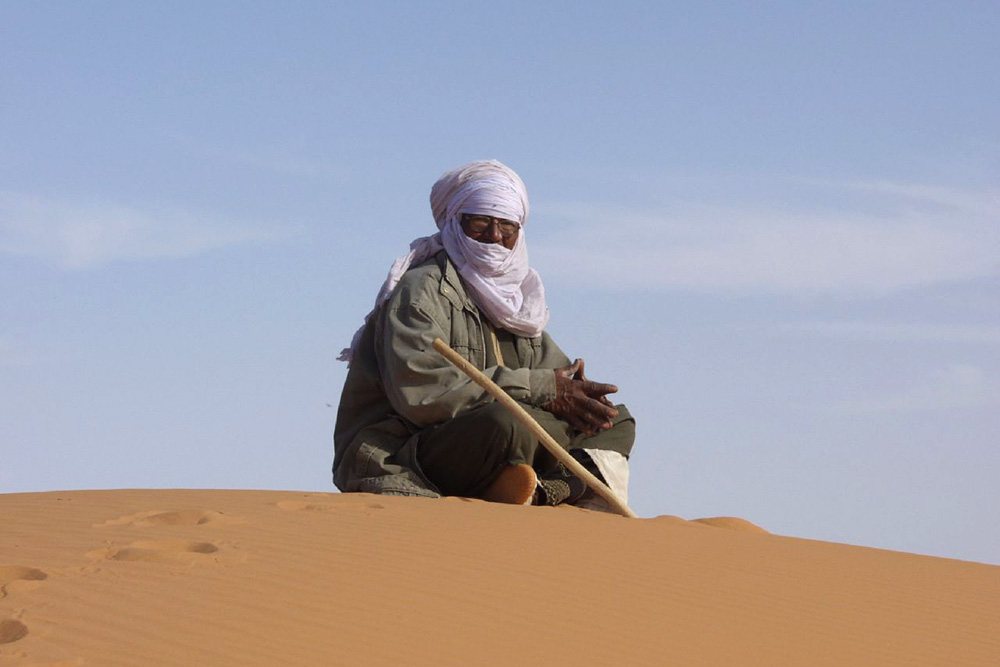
<point>423,283</point>
<point>430,268</point>
<point>423,276</point>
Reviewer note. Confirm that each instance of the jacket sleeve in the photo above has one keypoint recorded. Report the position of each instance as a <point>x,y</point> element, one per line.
<point>422,386</point>
<point>549,354</point>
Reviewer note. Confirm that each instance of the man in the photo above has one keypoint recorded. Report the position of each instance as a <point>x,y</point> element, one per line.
<point>410,423</point>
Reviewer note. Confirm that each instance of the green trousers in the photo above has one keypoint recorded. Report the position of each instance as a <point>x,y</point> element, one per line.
<point>464,455</point>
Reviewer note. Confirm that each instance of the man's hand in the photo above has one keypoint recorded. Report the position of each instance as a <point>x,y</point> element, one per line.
<point>580,402</point>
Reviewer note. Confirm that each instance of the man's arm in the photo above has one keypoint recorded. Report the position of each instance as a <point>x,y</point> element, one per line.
<point>549,355</point>
<point>578,401</point>
<point>581,402</point>
<point>422,386</point>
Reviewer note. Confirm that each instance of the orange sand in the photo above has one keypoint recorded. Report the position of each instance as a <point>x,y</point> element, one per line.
<point>165,577</point>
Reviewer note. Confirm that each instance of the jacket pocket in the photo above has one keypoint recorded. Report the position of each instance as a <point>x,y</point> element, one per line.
<point>466,336</point>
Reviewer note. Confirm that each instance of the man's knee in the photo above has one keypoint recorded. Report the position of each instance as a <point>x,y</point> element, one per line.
<point>623,415</point>
<point>496,425</point>
<point>624,424</point>
<point>619,438</point>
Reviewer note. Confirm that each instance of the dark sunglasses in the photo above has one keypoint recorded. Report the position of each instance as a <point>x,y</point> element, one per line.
<point>478,224</point>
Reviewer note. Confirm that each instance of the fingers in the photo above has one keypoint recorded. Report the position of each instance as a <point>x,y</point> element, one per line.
<point>598,389</point>
<point>582,403</point>
<point>580,425</point>
<point>604,411</point>
<point>591,407</point>
<point>569,372</point>
<point>587,415</point>
<point>597,415</point>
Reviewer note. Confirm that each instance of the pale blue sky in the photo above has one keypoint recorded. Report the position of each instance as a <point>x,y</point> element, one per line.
<point>774,225</point>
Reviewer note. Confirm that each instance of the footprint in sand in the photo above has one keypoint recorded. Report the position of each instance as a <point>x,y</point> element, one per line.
<point>11,630</point>
<point>173,518</point>
<point>157,551</point>
<point>18,573</point>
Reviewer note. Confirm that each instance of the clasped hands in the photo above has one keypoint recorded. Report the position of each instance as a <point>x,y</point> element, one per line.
<point>581,402</point>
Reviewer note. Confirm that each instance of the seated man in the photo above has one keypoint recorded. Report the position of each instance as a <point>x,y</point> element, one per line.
<point>410,423</point>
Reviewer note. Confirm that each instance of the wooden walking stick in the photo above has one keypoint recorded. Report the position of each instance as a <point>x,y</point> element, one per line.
<point>522,415</point>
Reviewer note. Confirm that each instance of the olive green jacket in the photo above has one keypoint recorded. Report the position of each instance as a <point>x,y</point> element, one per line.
<point>399,385</point>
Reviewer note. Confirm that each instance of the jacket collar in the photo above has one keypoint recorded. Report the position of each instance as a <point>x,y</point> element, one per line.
<point>451,287</point>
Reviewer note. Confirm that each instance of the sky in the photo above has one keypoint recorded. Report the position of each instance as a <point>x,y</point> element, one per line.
<point>776,226</point>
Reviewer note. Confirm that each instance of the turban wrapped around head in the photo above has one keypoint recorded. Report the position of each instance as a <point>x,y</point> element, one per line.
<point>505,288</point>
<point>486,187</point>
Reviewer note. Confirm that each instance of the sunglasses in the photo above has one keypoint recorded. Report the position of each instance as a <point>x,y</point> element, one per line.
<point>479,224</point>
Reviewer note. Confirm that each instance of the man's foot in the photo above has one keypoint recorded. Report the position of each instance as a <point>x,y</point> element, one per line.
<point>514,485</point>
<point>560,486</point>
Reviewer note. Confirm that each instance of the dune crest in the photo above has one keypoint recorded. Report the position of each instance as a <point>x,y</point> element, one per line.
<point>175,577</point>
<point>732,523</point>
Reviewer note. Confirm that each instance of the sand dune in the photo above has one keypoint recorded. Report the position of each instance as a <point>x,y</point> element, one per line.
<point>171,577</point>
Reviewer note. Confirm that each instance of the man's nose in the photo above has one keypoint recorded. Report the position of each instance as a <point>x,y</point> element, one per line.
<point>493,232</point>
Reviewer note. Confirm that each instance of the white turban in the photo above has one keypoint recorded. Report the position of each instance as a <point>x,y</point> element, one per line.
<point>506,289</point>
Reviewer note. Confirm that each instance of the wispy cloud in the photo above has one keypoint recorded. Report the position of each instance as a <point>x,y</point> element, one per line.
<point>897,332</point>
<point>979,203</point>
<point>956,386</point>
<point>78,235</point>
<point>911,236</point>
<point>279,160</point>
<point>287,164</point>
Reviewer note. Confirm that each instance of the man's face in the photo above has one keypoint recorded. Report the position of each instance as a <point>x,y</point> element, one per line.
<point>486,229</point>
